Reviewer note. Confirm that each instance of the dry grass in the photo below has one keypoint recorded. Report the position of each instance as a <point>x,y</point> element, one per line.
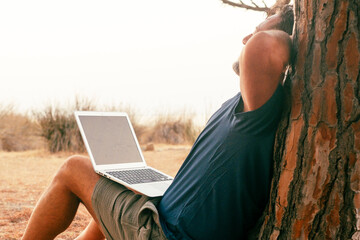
<point>171,129</point>
<point>59,129</point>
<point>55,127</point>
<point>18,132</point>
<point>58,125</point>
<point>25,175</point>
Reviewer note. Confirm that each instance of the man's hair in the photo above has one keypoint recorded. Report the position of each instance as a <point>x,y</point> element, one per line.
<point>286,14</point>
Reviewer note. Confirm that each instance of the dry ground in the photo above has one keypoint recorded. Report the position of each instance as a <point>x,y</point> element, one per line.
<point>25,175</point>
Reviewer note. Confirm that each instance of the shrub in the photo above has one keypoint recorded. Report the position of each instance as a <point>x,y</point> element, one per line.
<point>18,132</point>
<point>60,131</point>
<point>55,128</point>
<point>59,127</point>
<point>172,129</point>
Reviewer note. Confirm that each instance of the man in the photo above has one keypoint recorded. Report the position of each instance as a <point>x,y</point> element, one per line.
<point>223,185</point>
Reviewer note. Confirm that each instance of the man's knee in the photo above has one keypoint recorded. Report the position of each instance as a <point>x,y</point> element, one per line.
<point>72,167</point>
<point>78,177</point>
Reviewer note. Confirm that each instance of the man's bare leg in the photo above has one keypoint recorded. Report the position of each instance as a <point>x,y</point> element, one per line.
<point>92,232</point>
<point>73,183</point>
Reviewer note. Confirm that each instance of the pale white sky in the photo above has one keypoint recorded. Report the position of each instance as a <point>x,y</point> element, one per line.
<point>153,55</point>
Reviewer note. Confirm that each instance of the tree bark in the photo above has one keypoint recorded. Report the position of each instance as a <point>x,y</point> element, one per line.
<point>316,185</point>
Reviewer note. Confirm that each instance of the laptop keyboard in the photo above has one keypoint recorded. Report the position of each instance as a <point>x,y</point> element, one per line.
<point>136,176</point>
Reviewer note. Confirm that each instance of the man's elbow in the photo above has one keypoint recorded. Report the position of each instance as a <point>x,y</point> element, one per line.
<point>268,50</point>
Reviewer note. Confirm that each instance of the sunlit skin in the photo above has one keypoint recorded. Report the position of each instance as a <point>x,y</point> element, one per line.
<point>72,184</point>
<point>262,63</point>
<point>268,24</point>
<point>260,68</point>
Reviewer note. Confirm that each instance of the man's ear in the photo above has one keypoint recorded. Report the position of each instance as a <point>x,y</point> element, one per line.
<point>236,67</point>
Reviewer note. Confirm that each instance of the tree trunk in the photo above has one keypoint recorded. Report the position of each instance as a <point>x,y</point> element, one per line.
<point>316,186</point>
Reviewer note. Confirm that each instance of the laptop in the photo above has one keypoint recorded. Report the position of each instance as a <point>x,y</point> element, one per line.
<point>116,154</point>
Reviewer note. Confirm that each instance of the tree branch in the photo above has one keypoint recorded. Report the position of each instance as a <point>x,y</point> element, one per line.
<point>253,3</point>
<point>264,3</point>
<point>269,10</point>
<point>246,6</point>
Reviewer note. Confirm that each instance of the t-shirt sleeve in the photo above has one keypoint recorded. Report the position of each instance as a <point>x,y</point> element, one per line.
<point>263,119</point>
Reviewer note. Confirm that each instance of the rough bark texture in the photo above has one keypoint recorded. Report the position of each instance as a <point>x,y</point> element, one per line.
<point>316,186</point>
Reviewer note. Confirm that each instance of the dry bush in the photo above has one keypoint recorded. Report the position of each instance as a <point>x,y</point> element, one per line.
<point>60,130</point>
<point>18,132</point>
<point>171,129</point>
<point>59,127</point>
<point>55,127</point>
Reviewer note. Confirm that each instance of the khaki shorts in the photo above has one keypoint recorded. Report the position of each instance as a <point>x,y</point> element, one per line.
<point>124,214</point>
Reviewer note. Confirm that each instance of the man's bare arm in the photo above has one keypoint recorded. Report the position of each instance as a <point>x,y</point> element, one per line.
<point>262,64</point>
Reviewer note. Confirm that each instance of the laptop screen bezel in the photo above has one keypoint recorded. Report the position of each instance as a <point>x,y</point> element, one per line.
<point>104,167</point>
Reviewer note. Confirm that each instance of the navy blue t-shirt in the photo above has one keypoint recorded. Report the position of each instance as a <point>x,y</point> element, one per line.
<point>223,185</point>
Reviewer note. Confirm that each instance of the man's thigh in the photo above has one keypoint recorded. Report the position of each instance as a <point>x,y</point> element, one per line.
<point>122,214</point>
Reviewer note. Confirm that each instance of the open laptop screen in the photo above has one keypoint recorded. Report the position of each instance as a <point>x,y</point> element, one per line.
<point>110,139</point>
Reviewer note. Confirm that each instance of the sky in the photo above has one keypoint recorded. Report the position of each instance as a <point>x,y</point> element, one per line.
<point>154,56</point>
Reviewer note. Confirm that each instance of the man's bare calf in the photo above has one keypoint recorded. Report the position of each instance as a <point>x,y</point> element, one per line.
<point>72,184</point>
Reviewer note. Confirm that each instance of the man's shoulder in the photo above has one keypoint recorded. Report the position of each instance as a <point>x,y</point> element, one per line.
<point>272,45</point>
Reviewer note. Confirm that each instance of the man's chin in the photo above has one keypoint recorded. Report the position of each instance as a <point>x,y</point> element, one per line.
<point>235,67</point>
